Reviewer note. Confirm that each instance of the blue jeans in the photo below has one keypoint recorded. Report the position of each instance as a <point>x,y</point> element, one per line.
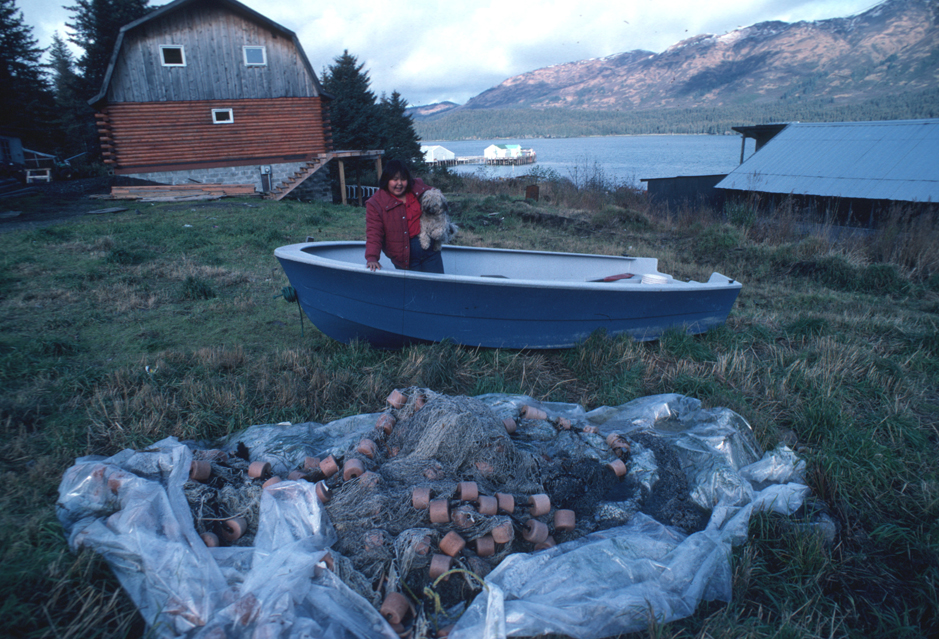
<point>429,261</point>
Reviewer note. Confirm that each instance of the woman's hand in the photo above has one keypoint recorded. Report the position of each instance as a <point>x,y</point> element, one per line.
<point>373,266</point>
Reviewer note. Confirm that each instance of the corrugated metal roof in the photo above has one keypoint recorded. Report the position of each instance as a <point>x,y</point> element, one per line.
<point>891,160</point>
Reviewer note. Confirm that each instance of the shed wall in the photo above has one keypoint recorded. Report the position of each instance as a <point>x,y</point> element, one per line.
<point>161,136</point>
<point>212,39</point>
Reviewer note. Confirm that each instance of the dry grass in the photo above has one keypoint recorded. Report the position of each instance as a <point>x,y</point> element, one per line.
<point>832,347</point>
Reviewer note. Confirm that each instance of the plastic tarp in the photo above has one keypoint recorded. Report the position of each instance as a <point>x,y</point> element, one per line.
<point>131,508</point>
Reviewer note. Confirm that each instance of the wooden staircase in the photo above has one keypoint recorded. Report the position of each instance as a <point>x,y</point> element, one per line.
<point>284,188</point>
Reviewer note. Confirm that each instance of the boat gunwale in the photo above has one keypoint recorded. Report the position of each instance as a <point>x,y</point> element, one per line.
<point>295,253</point>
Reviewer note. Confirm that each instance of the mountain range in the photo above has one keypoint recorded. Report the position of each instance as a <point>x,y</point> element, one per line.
<point>889,49</point>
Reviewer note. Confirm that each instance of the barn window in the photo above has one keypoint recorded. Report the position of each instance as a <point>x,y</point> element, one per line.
<point>222,116</point>
<point>172,55</point>
<point>255,56</point>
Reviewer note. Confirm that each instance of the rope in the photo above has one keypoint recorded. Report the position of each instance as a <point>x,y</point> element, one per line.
<point>289,294</point>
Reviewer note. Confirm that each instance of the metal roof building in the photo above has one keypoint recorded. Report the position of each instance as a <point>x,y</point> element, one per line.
<point>889,161</point>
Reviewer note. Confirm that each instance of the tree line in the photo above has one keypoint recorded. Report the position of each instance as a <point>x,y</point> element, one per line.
<point>45,104</point>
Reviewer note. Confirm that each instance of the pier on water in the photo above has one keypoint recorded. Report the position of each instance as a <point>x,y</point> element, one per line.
<point>528,156</point>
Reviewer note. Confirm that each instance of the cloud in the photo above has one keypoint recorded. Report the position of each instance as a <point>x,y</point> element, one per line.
<point>433,50</point>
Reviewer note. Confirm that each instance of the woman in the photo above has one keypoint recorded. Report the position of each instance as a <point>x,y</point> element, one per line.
<point>393,223</point>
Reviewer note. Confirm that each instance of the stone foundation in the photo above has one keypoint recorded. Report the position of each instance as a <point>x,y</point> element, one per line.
<point>315,188</point>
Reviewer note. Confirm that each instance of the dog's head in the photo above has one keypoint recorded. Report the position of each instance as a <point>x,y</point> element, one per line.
<point>434,203</point>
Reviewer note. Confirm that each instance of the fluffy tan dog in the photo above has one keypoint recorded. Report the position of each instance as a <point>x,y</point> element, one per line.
<point>436,227</point>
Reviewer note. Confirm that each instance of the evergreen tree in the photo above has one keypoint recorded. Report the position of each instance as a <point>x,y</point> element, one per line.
<point>353,115</point>
<point>25,100</point>
<point>95,25</point>
<point>74,121</point>
<point>398,137</point>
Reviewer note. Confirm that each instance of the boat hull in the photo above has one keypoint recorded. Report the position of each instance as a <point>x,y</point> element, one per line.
<point>470,306</point>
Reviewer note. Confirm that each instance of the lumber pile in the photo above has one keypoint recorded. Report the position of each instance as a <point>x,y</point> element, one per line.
<point>181,192</point>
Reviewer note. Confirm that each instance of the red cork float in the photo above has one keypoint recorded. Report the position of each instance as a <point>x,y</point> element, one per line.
<point>367,447</point>
<point>329,467</point>
<point>323,493</point>
<point>503,533</point>
<point>200,470</point>
<point>270,482</point>
<point>540,505</point>
<point>506,502</point>
<point>486,546</point>
<point>439,511</point>
<point>385,423</point>
<point>547,543</point>
<point>468,490</point>
<point>488,505</point>
<point>209,539</point>
<point>396,399</point>
<point>564,520</point>
<point>618,467</point>
<point>452,544</point>
<point>535,531</point>
<point>510,425</point>
<point>258,469</point>
<point>395,607</point>
<point>311,463</point>
<point>352,469</point>
<point>420,497</point>
<point>294,475</point>
<point>439,564</point>
<point>233,529</point>
<point>530,412</point>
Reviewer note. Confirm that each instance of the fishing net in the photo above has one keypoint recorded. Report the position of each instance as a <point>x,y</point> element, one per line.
<point>433,513</point>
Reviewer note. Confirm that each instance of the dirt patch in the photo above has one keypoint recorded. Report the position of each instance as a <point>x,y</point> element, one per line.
<point>53,203</point>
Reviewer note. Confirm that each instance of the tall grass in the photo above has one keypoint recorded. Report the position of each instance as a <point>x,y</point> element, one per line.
<point>118,331</point>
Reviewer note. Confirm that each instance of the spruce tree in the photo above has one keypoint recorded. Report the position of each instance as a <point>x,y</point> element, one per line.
<point>74,119</point>
<point>25,100</point>
<point>353,115</point>
<point>95,25</point>
<point>398,137</point>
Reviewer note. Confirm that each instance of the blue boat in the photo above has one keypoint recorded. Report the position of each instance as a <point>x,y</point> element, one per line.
<point>497,297</point>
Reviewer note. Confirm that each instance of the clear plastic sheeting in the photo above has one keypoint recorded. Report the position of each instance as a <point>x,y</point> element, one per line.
<point>131,508</point>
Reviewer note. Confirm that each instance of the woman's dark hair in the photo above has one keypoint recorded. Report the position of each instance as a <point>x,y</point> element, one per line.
<point>393,169</point>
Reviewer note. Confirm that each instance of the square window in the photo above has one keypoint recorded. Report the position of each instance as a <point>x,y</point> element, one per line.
<point>172,55</point>
<point>222,116</point>
<point>255,56</point>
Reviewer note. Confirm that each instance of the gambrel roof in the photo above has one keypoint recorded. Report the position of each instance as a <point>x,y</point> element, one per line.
<point>234,7</point>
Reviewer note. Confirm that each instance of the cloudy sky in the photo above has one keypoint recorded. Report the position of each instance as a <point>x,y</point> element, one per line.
<point>436,50</point>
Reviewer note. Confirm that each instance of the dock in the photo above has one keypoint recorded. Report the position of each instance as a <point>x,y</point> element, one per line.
<point>528,156</point>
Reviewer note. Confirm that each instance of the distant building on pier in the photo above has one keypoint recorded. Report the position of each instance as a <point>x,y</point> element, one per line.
<point>437,153</point>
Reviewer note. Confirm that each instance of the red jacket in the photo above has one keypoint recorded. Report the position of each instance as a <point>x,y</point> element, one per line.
<point>386,226</point>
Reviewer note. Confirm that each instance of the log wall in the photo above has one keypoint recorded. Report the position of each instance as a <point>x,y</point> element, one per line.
<point>155,136</point>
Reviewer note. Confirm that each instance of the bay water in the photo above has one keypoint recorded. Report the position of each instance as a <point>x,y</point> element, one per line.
<point>623,160</point>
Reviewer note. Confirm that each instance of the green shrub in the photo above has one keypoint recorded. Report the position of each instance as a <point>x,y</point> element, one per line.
<point>124,256</point>
<point>713,242</point>
<point>195,288</point>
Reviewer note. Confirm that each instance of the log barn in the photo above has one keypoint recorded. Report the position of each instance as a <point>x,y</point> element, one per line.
<point>211,91</point>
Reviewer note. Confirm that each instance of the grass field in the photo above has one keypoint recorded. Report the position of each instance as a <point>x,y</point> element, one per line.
<point>120,329</point>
